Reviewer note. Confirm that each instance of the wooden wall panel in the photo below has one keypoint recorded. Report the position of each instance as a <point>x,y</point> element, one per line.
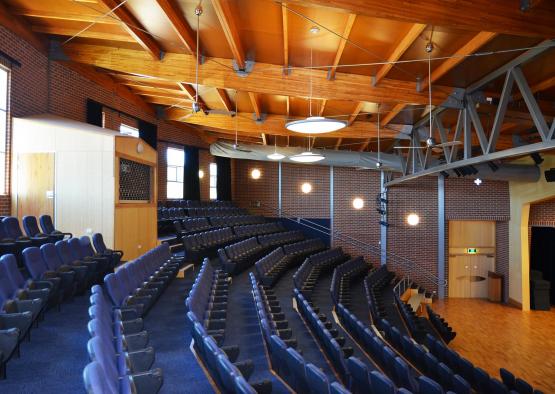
<point>135,230</point>
<point>36,174</point>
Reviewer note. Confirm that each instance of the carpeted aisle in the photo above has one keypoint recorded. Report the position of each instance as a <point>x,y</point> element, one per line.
<point>170,335</point>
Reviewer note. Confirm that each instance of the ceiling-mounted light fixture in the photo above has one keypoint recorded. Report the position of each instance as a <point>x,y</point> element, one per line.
<point>307,156</point>
<point>275,155</point>
<point>314,124</point>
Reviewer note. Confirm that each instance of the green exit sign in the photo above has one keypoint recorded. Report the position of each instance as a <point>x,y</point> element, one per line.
<point>471,250</point>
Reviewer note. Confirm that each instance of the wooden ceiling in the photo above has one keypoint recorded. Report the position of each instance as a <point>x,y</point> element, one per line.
<point>145,50</point>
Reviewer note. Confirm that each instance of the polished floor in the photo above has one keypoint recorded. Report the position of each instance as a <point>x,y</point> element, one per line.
<point>494,335</point>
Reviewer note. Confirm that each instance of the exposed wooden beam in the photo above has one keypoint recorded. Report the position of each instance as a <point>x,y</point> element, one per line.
<point>338,143</point>
<point>231,137</point>
<point>65,16</point>
<point>355,113</point>
<point>255,101</point>
<point>287,106</point>
<point>18,26</point>
<point>342,42</point>
<point>192,93</point>
<point>264,78</point>
<point>409,38</point>
<point>470,47</point>
<point>497,16</point>
<point>184,32</point>
<point>392,114</point>
<point>364,145</point>
<point>97,35</point>
<point>135,29</point>
<point>285,27</point>
<point>227,20</point>
<point>224,98</point>
<point>273,124</point>
<point>322,107</point>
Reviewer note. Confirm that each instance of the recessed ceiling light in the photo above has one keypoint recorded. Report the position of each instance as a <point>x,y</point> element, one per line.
<point>314,30</point>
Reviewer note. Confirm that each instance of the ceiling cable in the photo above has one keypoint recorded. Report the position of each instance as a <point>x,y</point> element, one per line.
<point>95,20</point>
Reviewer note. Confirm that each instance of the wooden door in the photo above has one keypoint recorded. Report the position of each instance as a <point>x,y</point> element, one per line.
<point>468,270</point>
<point>35,184</point>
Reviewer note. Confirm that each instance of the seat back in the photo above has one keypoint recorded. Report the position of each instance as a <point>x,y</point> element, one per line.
<point>242,386</point>
<point>381,384</point>
<point>76,250</point>
<point>51,256</point>
<point>7,289</point>
<point>11,225</point>
<point>46,224</point>
<point>64,251</point>
<point>98,242</point>
<point>34,262</point>
<point>95,380</point>
<point>86,247</point>
<point>31,226</point>
<point>10,263</point>
<point>317,380</point>
<point>429,386</point>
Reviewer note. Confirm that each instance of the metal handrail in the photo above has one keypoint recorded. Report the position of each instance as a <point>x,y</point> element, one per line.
<point>409,266</point>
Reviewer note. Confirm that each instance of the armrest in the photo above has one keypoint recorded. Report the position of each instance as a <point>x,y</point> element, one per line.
<point>140,360</point>
<point>142,292</point>
<point>127,313</point>
<point>22,320</point>
<point>147,382</point>
<point>218,324</point>
<point>32,306</point>
<point>136,341</point>
<point>231,351</point>
<point>26,294</point>
<point>131,326</point>
<point>39,284</point>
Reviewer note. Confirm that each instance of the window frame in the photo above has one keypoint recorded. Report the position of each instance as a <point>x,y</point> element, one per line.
<point>4,150</point>
<point>213,179</point>
<point>179,169</point>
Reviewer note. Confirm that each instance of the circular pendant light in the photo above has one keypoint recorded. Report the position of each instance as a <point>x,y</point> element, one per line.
<point>275,155</point>
<point>315,125</point>
<point>307,157</point>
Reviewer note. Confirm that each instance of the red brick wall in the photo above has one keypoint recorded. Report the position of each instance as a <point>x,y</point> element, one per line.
<point>314,205</point>
<point>363,224</point>
<point>542,214</point>
<point>40,86</point>
<point>249,191</point>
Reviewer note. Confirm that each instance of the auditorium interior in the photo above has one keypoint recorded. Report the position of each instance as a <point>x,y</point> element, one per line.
<point>277,196</point>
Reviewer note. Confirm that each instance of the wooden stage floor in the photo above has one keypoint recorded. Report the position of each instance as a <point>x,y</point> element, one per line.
<point>494,335</point>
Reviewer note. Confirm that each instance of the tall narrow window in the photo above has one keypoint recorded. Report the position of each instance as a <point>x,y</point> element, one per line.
<point>213,181</point>
<point>4,93</point>
<point>176,162</point>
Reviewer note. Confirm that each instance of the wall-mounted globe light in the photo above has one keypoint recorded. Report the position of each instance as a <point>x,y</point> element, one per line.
<point>413,219</point>
<point>306,188</point>
<point>255,173</point>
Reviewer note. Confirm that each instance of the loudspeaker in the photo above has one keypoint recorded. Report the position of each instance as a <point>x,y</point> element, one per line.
<point>550,175</point>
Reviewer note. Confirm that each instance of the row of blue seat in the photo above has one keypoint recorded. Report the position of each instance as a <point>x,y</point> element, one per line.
<point>252,230</point>
<point>121,360</point>
<point>441,326</point>
<point>194,204</point>
<point>418,326</point>
<point>309,271</point>
<point>205,244</point>
<point>341,276</point>
<point>207,305</point>
<point>373,285</point>
<point>138,283</point>
<point>195,225</point>
<point>171,214</point>
<point>301,376</point>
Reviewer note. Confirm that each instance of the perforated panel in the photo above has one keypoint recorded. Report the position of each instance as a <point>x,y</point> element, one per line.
<point>134,181</point>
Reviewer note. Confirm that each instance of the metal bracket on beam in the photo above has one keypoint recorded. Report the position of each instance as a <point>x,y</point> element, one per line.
<point>455,100</point>
<point>249,65</point>
<point>161,55</point>
<point>160,112</point>
<point>524,5</point>
<point>419,84</point>
<point>286,70</point>
<point>329,76</point>
<point>56,51</point>
<point>260,120</point>
<point>373,81</point>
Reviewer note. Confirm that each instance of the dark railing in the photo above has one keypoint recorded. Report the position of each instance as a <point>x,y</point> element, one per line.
<point>410,268</point>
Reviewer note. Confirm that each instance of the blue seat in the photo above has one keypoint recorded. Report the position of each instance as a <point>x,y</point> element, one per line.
<point>497,387</point>
<point>432,366</point>
<point>381,384</point>
<point>428,386</point>
<point>242,386</point>
<point>54,263</point>
<point>508,378</point>
<point>14,300</point>
<point>317,380</point>
<point>481,380</point>
<point>338,388</point>
<point>360,382</point>
<point>68,257</point>
<point>523,387</point>
<point>403,375</point>
<point>460,385</point>
<point>62,283</point>
<point>96,381</point>
<point>48,227</point>
<point>100,246</point>
<point>87,253</point>
<point>466,370</point>
<point>445,375</point>
<point>31,228</point>
<point>296,364</point>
